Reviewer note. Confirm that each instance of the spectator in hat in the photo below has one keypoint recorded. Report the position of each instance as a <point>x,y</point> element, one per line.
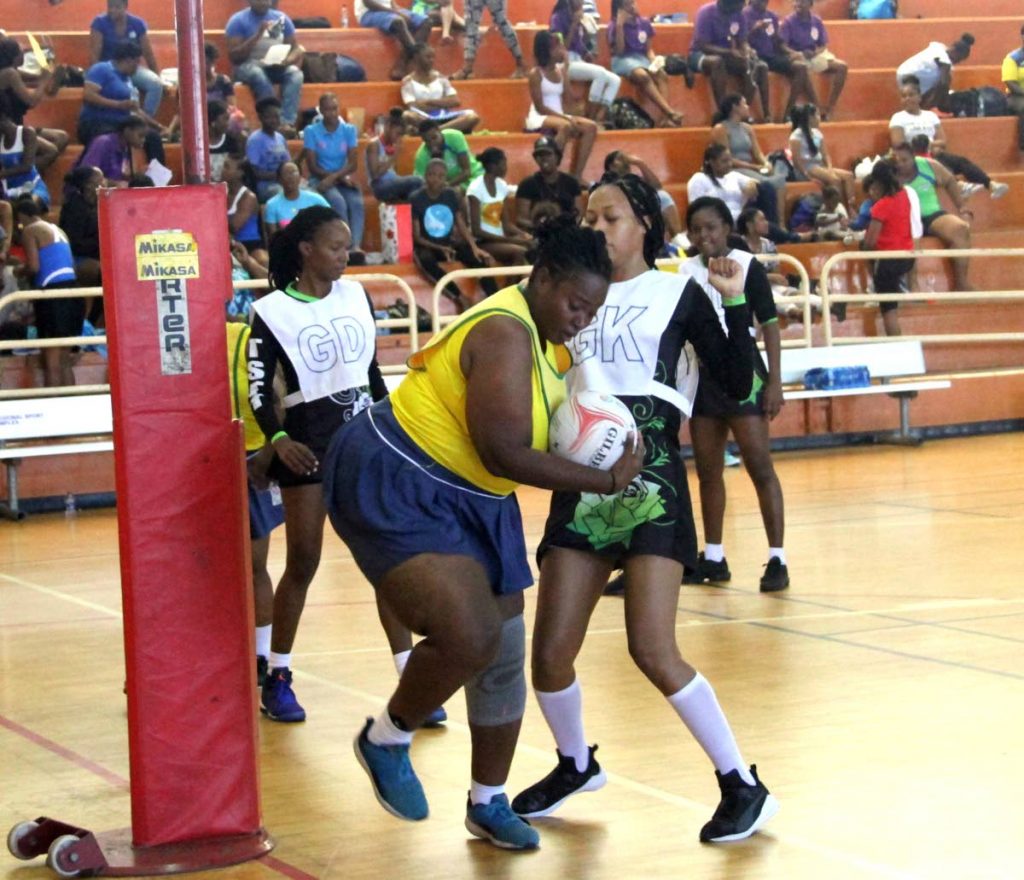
<point>548,191</point>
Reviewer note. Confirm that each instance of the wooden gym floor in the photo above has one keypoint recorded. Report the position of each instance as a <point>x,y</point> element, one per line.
<point>882,697</point>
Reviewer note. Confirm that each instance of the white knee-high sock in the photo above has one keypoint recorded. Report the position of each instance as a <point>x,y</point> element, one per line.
<point>263,640</point>
<point>698,706</point>
<point>401,658</point>
<point>563,711</point>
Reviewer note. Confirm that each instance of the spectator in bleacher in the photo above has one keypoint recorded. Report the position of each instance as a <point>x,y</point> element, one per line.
<point>440,233</point>
<point>407,27</point>
<point>499,17</point>
<point>753,227</point>
<point>49,264</point>
<point>19,175</point>
<point>220,88</point>
<point>112,152</point>
<point>631,40</point>
<point>281,209</point>
<point>490,215</point>
<point>266,149</point>
<point>805,33</point>
<point>441,12</point>
<point>717,179</point>
<point>622,163</point>
<point>891,229</point>
<point>79,218</point>
<point>547,86</point>
<point>387,184</point>
<point>912,122</point>
<point>428,93</point>
<point>119,26</point>
<point>730,127</point>
<point>567,22</point>
<point>764,36</point>
<point>926,177</point>
<point>243,210</point>
<point>720,50</point>
<point>223,141</point>
<point>265,52</point>
<point>1013,78</point>
<point>331,157</point>
<point>810,155</point>
<point>548,190</point>
<point>832,220</point>
<point>933,67</point>
<point>109,98</point>
<point>19,99</point>
<point>450,147</point>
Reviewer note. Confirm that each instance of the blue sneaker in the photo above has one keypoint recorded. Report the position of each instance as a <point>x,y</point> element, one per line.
<point>497,823</point>
<point>277,699</point>
<point>436,718</point>
<point>394,782</point>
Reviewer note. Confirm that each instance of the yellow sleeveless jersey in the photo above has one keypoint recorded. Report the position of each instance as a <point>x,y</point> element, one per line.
<point>430,404</point>
<point>238,376</point>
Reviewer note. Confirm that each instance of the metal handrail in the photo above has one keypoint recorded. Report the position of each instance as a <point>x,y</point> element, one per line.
<point>803,299</point>
<point>827,297</point>
<point>409,324</point>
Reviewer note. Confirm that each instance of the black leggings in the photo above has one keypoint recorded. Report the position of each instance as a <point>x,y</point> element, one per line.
<point>964,167</point>
<point>887,278</point>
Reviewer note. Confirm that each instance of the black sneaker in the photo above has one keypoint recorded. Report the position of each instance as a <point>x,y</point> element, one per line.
<point>546,796</point>
<point>708,572</point>
<point>742,810</point>
<point>775,577</point>
<point>616,586</point>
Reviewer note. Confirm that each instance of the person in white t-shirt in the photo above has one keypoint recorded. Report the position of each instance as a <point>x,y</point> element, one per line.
<point>912,123</point>
<point>933,68</point>
<point>716,178</point>
<point>426,92</point>
<point>491,216</point>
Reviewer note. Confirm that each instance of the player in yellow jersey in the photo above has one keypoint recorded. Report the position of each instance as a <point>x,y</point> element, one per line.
<point>421,491</point>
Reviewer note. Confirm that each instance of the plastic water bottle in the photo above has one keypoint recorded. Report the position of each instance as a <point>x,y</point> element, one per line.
<point>69,505</point>
<point>344,15</point>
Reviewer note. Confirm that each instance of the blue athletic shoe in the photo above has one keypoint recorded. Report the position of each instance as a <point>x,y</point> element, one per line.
<point>395,783</point>
<point>436,718</point>
<point>497,823</point>
<point>277,699</point>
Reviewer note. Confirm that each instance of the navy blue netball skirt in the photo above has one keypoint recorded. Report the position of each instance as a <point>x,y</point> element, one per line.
<point>389,501</point>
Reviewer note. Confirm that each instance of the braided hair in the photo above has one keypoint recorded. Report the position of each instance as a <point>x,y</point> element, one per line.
<point>800,117</point>
<point>566,249</point>
<point>712,152</point>
<point>643,200</point>
<point>285,256</point>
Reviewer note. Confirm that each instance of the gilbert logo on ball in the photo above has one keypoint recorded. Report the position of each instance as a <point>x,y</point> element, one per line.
<point>590,428</point>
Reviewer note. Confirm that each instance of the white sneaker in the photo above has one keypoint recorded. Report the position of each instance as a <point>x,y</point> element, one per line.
<point>998,190</point>
<point>969,189</point>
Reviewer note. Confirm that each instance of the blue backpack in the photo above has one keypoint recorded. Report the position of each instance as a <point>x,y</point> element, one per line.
<point>876,9</point>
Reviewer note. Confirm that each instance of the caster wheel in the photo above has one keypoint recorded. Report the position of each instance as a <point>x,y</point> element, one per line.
<point>59,860</point>
<point>18,843</point>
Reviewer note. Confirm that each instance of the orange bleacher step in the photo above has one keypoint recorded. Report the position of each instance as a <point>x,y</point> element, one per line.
<point>862,44</point>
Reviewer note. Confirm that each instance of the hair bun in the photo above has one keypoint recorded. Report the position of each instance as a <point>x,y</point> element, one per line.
<point>967,38</point>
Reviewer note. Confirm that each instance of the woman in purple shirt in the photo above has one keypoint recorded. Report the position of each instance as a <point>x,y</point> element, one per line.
<point>567,21</point>
<point>630,38</point>
<point>805,33</point>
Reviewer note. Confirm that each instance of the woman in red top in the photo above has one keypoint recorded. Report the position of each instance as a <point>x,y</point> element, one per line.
<point>889,230</point>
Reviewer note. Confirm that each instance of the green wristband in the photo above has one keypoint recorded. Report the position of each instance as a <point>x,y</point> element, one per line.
<point>734,301</point>
<point>277,437</point>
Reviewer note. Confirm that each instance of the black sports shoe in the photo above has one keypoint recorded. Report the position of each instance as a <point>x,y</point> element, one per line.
<point>742,810</point>
<point>708,572</point>
<point>616,586</point>
<point>775,577</point>
<point>546,796</point>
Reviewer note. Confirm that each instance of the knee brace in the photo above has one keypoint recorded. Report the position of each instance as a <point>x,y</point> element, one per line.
<point>498,694</point>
